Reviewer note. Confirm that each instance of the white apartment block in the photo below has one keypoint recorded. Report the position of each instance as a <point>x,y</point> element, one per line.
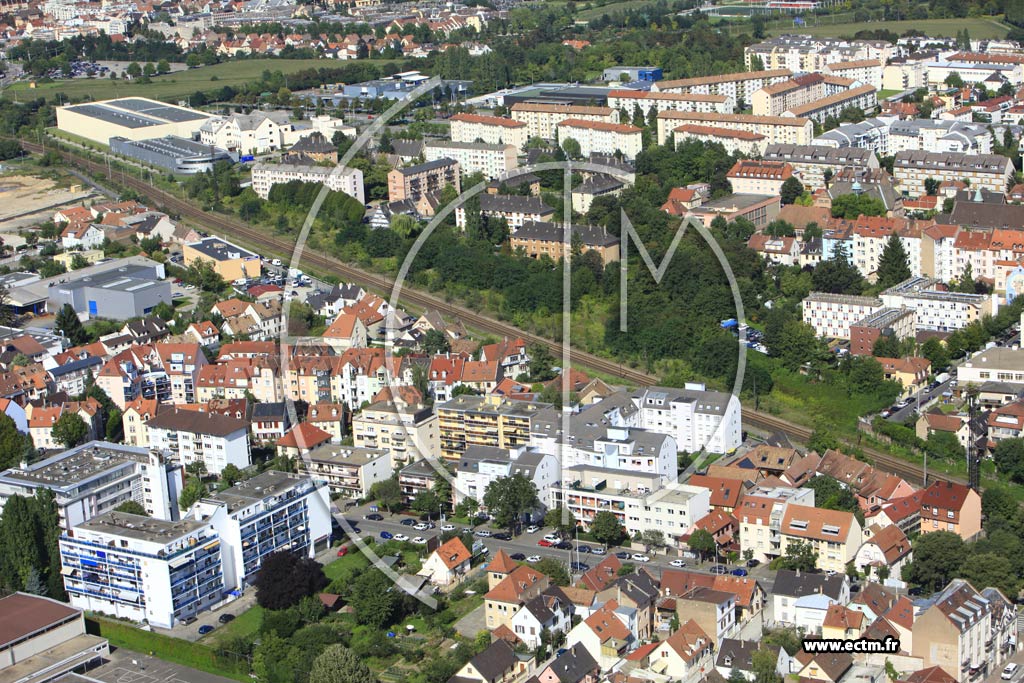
<point>190,436</point>
<point>408,433</point>
<point>887,135</point>
<point>938,310</point>
<point>96,477</point>
<point>479,466</point>
<point>741,141</point>
<point>542,119</point>
<point>776,99</point>
<point>832,314</point>
<point>812,161</point>
<point>255,133</point>
<point>612,447</point>
<point>905,73</point>
<point>695,417</point>
<point>801,53</point>
<point>775,129</point>
<point>142,569</point>
<point>337,179</point>
<point>866,71</point>
<point>348,471</point>
<point>864,97</point>
<point>494,161</point>
<point>986,171</point>
<point>975,68</point>
<point>272,512</point>
<point>628,100</point>
<point>598,137</point>
<point>736,87</point>
<point>759,515</point>
<point>494,130</point>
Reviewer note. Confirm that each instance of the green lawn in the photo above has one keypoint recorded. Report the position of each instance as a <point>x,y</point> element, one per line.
<point>354,560</point>
<point>979,28</point>
<point>171,87</point>
<point>597,12</point>
<point>243,625</point>
<point>882,94</point>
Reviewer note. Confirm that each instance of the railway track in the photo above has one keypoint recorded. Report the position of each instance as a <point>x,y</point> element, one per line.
<point>271,244</point>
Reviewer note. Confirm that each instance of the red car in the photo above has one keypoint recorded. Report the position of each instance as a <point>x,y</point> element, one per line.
<point>545,543</point>
<point>343,551</point>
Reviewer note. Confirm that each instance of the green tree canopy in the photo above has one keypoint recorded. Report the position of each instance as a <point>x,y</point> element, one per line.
<point>67,322</point>
<point>133,508</point>
<point>607,529</point>
<point>937,559</point>
<point>894,264</point>
<point>70,430</point>
<point>338,664</point>
<point>508,498</point>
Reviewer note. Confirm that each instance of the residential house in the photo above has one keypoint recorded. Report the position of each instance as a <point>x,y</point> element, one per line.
<point>603,635</point>
<point>499,663</point>
<point>270,421</point>
<point>448,564</point>
<point>827,667</point>
<point>791,586</point>
<point>504,600</point>
<point>574,665</point>
<point>686,652</point>
<point>834,534</point>
<point>843,623</point>
<point>551,611</point>
<point>886,547</point>
<point>947,506</point>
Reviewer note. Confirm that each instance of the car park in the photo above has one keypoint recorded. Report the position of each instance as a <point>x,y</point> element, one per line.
<point>677,563</point>
<point>225,618</point>
<point>387,535</point>
<point>401,537</point>
<point>374,517</point>
<point>639,557</point>
<point>204,629</point>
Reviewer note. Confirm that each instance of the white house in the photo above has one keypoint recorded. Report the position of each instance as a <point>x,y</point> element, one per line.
<point>190,436</point>
<point>481,465</point>
<point>550,610</point>
<point>448,564</point>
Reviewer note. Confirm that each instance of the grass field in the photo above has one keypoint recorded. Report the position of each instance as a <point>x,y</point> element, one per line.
<point>171,87</point>
<point>979,28</point>
<point>596,12</point>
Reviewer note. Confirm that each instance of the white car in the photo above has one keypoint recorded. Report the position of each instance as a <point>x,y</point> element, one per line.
<point>598,550</point>
<point>532,529</point>
<point>1009,671</point>
<point>420,527</point>
<point>483,533</point>
<point>677,563</point>
<point>533,559</point>
<point>553,538</point>
<point>276,262</point>
<point>637,557</point>
<point>447,527</point>
<point>401,537</point>
<point>419,540</point>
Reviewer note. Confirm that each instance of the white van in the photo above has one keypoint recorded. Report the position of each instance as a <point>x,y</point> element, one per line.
<point>1010,671</point>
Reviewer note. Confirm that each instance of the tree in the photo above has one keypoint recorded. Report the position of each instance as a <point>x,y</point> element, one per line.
<point>554,570</point>
<point>837,275</point>
<point>375,603</point>
<point>998,503</point>
<point>114,430</point>
<point>193,490</point>
<point>435,341</point>
<point>338,664</point>
<point>1009,459</point>
<point>15,446</point>
<point>703,543</point>
<point>163,67</point>
<point>230,475</point>
<point>965,283</point>
<point>426,502</point>
<point>508,498</point>
<point>829,494</point>
<point>541,362</point>
<point>70,430</point>
<point>133,70</point>
<point>954,80</point>
<point>467,508</point>
<point>388,493</point>
<point>935,351</point>
<point>937,559</point>
<point>572,148</point>
<point>931,186</point>
<point>554,519</point>
<point>791,190</point>
<point>67,323</point>
<point>132,507</point>
<point>607,529</point>
<point>285,578</point>
<point>149,70</point>
<point>893,265</point>
<point>990,569</point>
<point>799,555</point>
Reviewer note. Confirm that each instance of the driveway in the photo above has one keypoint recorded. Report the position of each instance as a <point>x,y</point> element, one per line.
<point>125,666</point>
<point>472,623</point>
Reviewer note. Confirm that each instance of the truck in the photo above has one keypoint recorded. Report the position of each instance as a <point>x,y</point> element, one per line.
<point>942,377</point>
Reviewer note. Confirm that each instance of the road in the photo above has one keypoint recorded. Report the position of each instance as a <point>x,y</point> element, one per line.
<point>269,244</point>
<point>922,398</point>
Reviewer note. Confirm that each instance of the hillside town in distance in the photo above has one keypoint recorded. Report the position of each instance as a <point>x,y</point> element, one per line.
<point>360,341</point>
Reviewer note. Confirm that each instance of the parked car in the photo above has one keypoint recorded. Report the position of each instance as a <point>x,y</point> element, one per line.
<point>419,540</point>
<point>343,551</point>
<point>719,569</point>
<point>753,563</point>
<point>483,533</point>
<point>563,545</point>
<point>598,550</point>
<point>387,535</point>
<point>552,538</point>
<point>518,557</point>
<point>677,563</point>
<point>533,558</point>
<point>532,529</point>
<point>622,555</point>
<point>204,629</point>
<point>225,618</point>
<point>401,537</point>
<point>545,543</point>
<point>420,527</point>
<point>739,571</point>
<point>447,527</point>
<point>585,549</point>
<point>639,557</point>
<point>408,521</point>
<point>1009,672</point>
<point>503,536</point>
<point>374,517</point>
<point>579,566</point>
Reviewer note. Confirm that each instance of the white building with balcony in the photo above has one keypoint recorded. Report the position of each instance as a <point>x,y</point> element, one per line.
<point>213,439</point>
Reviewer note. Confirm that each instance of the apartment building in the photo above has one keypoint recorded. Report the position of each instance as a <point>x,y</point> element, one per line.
<point>493,161</point>
<point>256,133</point>
<point>778,98</point>
<point>542,119</point>
<point>607,446</point>
<point>600,137</point>
<point>759,209</point>
<point>490,420</point>
<point>946,506</point>
<point>776,129</point>
<point>832,315</point>
<point>872,233</point>
<point>998,364</point>
<point>229,261</point>
<point>143,569</point>
<point>939,136</point>
<point>96,477</point>
<point>908,72</point>
<point>480,466</point>
<point>413,182</point>
<point>416,477</point>
<point>639,500</point>
<point>864,97</point>
<point>737,87</point>
<point>210,438</point>
<point>835,535</point>
<point>803,53</point>
<point>493,130</point>
<point>407,432</point>
<point>697,419</point>
<point>935,309</point>
<point>866,71</point>
<point>538,239</point>
<point>897,323</point>
<point>975,68</point>
<point>985,171</point>
<point>734,141</point>
<point>749,176</point>
<point>646,100</point>
<point>336,179</point>
<point>759,514</point>
<point>348,471</point>
<point>962,631</point>
<point>812,162</point>
<point>517,210</point>
<point>272,512</point>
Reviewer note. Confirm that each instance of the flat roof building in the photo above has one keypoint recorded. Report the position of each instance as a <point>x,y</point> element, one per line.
<point>230,261</point>
<point>349,471</point>
<point>131,118</point>
<point>128,292</point>
<point>175,154</point>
